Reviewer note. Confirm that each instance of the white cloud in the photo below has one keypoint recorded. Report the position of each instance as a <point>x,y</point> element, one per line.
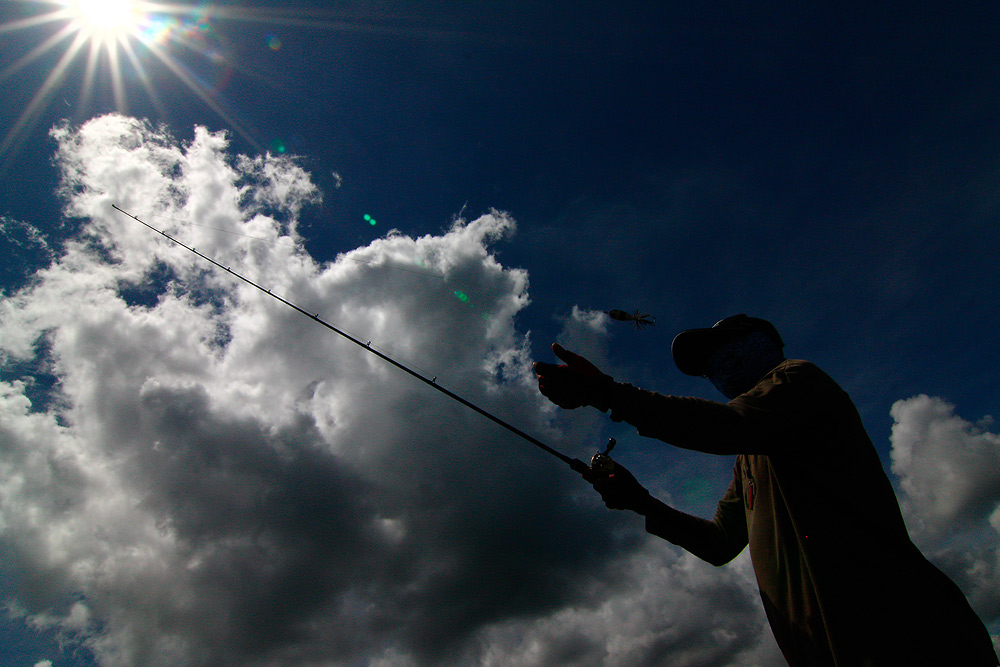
<point>585,332</point>
<point>949,472</point>
<point>211,462</point>
<point>949,468</point>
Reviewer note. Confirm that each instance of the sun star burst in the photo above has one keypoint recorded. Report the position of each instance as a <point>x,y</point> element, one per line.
<point>119,46</point>
<point>107,36</point>
<point>106,20</point>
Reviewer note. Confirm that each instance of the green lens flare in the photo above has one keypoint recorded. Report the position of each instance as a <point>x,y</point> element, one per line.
<point>370,220</point>
<point>461,296</point>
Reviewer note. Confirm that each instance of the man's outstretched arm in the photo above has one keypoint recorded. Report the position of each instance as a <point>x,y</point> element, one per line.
<point>713,541</point>
<point>691,423</point>
<point>717,541</point>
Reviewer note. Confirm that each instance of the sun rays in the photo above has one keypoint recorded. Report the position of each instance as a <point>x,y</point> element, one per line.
<point>106,19</point>
<point>77,58</point>
<point>101,44</point>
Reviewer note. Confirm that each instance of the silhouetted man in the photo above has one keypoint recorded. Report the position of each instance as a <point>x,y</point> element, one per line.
<point>841,582</point>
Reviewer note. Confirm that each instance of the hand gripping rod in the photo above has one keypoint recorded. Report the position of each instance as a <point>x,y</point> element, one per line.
<point>576,464</point>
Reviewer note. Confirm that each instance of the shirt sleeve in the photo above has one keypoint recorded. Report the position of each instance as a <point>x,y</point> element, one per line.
<point>717,541</point>
<point>753,423</point>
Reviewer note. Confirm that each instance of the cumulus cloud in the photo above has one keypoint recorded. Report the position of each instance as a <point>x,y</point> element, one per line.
<point>949,468</point>
<point>212,478</point>
<point>949,472</point>
<point>658,610</point>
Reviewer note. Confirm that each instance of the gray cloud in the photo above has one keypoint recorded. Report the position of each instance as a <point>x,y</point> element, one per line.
<point>661,608</point>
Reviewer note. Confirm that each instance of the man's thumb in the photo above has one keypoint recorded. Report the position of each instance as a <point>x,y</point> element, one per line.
<point>565,355</point>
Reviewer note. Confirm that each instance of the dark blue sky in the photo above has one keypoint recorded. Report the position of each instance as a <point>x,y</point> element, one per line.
<point>833,167</point>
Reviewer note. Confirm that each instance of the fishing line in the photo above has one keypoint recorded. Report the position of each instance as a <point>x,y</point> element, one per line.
<point>262,239</point>
<point>576,464</point>
<point>458,294</point>
<point>216,229</point>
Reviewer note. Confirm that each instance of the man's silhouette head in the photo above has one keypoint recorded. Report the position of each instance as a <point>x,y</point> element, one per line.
<point>734,353</point>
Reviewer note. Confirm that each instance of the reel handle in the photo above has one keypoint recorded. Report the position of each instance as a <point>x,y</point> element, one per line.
<point>601,463</point>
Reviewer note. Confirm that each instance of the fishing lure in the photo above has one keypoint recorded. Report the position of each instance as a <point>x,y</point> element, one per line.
<point>641,320</point>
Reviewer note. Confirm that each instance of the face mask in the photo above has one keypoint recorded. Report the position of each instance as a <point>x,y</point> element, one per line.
<point>738,365</point>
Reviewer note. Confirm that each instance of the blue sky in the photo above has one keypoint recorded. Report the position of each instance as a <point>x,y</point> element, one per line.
<point>832,169</point>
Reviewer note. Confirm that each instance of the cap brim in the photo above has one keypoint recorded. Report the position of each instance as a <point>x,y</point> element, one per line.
<point>691,349</point>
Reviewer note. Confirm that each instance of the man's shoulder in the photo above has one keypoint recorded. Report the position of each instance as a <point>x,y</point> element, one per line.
<point>800,371</point>
<point>798,366</point>
<point>795,386</point>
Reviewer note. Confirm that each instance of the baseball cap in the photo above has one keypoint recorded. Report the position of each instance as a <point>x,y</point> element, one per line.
<point>691,349</point>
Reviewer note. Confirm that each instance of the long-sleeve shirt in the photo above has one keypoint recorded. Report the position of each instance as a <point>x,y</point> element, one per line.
<point>841,582</point>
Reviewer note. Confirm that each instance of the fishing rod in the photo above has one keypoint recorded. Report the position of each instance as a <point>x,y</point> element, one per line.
<point>576,464</point>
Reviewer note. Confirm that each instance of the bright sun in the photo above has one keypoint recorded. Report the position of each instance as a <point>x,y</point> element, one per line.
<point>94,43</point>
<point>105,20</point>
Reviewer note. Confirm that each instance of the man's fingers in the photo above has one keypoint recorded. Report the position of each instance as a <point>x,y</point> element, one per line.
<point>567,385</point>
<point>542,368</point>
<point>562,353</point>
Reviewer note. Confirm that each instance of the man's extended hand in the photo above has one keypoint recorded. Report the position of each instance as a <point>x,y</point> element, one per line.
<point>575,383</point>
<point>620,490</point>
